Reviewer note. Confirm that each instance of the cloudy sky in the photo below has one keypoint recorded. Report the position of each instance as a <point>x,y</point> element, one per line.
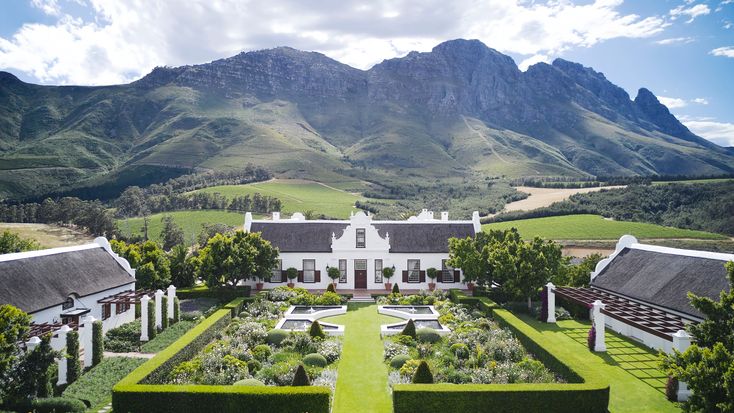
<point>682,50</point>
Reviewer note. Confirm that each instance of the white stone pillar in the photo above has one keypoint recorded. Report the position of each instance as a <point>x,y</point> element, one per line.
<point>599,344</point>
<point>32,343</point>
<point>158,309</point>
<point>551,297</point>
<point>171,297</point>
<point>87,335</point>
<point>144,318</point>
<point>681,341</point>
<point>62,361</point>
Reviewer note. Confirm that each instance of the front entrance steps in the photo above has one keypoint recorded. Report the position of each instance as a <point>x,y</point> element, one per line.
<point>362,299</point>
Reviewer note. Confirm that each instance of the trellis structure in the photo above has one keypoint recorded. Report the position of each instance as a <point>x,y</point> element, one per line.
<point>126,297</point>
<point>646,318</point>
<point>39,329</point>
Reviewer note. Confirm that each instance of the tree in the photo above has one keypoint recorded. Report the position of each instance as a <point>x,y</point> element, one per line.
<point>12,242</point>
<point>14,327</point>
<point>171,234</point>
<point>227,260</point>
<point>333,273</point>
<point>529,268</point>
<point>578,275</point>
<point>210,230</point>
<point>472,255</point>
<point>707,366</point>
<point>131,203</point>
<point>184,266</point>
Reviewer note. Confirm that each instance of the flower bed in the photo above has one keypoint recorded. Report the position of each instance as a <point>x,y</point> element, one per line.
<point>476,350</point>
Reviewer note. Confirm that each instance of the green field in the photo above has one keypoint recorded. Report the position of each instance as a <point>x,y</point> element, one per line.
<point>190,221</point>
<point>594,227</point>
<point>694,181</point>
<point>297,196</point>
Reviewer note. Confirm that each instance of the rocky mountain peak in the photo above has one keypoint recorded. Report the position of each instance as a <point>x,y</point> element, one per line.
<point>658,114</point>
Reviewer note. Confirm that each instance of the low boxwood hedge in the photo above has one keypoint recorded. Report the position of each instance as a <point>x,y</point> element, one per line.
<point>584,392</point>
<point>138,392</point>
<point>222,293</point>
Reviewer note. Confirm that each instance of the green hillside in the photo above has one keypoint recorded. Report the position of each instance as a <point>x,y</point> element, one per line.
<point>190,221</point>
<point>594,227</point>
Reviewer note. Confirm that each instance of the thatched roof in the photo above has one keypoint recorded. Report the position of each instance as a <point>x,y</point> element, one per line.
<point>423,237</point>
<point>37,280</point>
<point>664,277</point>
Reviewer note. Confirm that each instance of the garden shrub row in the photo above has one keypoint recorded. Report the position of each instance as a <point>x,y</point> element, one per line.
<point>222,294</point>
<point>138,392</point>
<point>585,392</point>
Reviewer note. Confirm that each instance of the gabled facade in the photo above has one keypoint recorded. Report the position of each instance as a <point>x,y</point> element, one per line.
<point>361,247</point>
<point>63,285</point>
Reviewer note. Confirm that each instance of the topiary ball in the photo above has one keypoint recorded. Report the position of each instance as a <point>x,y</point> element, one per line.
<point>249,382</point>
<point>427,335</point>
<point>316,331</point>
<point>261,352</point>
<point>398,361</point>
<point>423,374</point>
<point>460,350</point>
<point>276,336</point>
<point>315,360</point>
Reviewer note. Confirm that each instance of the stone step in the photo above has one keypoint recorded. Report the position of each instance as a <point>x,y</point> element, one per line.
<point>365,299</point>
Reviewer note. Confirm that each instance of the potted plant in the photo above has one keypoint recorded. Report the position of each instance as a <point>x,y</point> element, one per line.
<point>432,273</point>
<point>334,274</point>
<point>387,273</point>
<point>259,284</point>
<point>291,273</point>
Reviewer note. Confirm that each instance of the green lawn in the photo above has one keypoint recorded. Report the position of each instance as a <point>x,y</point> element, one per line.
<point>167,337</point>
<point>636,385</point>
<point>361,385</point>
<point>297,196</point>
<point>96,384</point>
<point>594,227</point>
<point>190,221</point>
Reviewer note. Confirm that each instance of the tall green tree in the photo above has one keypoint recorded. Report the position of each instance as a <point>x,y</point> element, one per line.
<point>153,270</point>
<point>577,275</point>
<point>227,260</point>
<point>14,327</point>
<point>184,266</point>
<point>531,267</point>
<point>12,242</point>
<point>472,255</point>
<point>172,234</point>
<point>707,367</point>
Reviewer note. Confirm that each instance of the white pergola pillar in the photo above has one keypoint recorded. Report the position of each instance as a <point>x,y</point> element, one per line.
<point>171,296</point>
<point>681,341</point>
<point>551,298</point>
<point>144,318</point>
<point>158,309</point>
<point>599,325</point>
<point>32,343</point>
<point>62,361</point>
<point>86,339</point>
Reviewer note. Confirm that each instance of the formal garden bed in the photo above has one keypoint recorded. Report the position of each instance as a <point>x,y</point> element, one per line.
<point>477,350</point>
<point>94,386</point>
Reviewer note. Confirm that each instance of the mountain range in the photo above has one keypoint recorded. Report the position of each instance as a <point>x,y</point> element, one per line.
<point>462,111</point>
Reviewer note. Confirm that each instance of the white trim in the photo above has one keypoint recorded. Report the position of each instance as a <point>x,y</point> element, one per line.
<point>51,251</point>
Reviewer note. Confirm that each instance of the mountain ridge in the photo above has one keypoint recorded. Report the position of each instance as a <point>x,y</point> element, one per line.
<point>462,111</point>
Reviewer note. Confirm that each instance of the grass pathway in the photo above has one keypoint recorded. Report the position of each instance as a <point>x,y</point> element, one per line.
<point>362,381</point>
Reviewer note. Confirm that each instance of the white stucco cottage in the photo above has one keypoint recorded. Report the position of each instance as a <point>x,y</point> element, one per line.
<point>361,247</point>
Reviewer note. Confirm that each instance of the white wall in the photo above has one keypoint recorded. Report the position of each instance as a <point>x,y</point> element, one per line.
<point>646,338</point>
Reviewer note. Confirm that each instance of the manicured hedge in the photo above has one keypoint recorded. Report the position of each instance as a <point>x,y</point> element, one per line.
<point>58,405</point>
<point>97,343</point>
<point>138,392</point>
<point>223,294</point>
<point>585,391</point>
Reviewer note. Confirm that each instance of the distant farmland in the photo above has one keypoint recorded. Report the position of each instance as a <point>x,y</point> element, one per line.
<point>190,221</point>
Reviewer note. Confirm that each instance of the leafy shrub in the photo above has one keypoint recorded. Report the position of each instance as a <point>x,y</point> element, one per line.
<point>164,312</point>
<point>330,349</point>
<point>123,339</point>
<point>94,386</point>
<point>562,314</point>
<point>152,330</point>
<point>393,349</point>
<point>425,350</point>
<point>395,289</point>
<point>315,360</point>
<point>405,339</point>
<point>423,374</point>
<point>58,405</point>
<point>329,298</point>
<point>73,365</point>
<point>249,382</point>
<point>167,337</point>
<point>398,361</point>
<point>261,352</point>
<point>253,366</point>
<point>301,378</point>
<point>409,367</point>
<point>427,335</point>
<point>300,343</point>
<point>316,331</point>
<point>276,336</point>
<point>460,350</point>
<point>409,329</point>
<point>591,338</point>
<point>671,389</point>
<point>176,310</point>
<point>192,315</point>
<point>97,343</point>
<point>330,288</point>
<point>280,373</point>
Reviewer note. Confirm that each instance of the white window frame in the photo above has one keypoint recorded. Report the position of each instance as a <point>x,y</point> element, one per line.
<point>378,270</point>
<point>311,271</point>
<point>445,269</point>
<point>276,274</point>
<point>361,233</point>
<point>414,271</point>
<point>342,270</point>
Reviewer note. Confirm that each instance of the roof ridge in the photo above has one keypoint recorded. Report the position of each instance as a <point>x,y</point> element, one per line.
<point>49,251</point>
<point>720,256</point>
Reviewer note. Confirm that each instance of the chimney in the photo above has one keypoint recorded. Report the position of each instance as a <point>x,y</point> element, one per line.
<point>248,221</point>
<point>430,214</point>
<point>276,216</point>
<point>477,223</point>
<point>444,215</point>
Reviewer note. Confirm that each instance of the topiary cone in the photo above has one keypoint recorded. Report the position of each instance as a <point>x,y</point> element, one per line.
<point>423,374</point>
<point>331,288</point>
<point>316,330</point>
<point>395,289</point>
<point>409,329</point>
<point>301,378</point>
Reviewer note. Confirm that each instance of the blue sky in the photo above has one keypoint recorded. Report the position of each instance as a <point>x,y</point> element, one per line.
<point>682,50</point>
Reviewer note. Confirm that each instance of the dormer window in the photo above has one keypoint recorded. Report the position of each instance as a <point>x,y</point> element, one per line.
<point>360,238</point>
<point>69,303</point>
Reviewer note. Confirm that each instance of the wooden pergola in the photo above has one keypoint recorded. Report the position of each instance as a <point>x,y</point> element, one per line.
<point>646,318</point>
<point>39,329</point>
<point>126,297</point>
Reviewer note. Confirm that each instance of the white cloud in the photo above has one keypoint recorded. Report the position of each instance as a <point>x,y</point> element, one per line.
<point>125,39</point>
<point>700,101</point>
<point>727,51</point>
<point>672,103</point>
<point>50,7</point>
<point>727,24</point>
<point>721,133</point>
<point>675,40</point>
<point>691,12</point>
<point>537,58</point>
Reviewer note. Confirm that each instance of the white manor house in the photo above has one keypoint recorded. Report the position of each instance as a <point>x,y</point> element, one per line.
<point>361,247</point>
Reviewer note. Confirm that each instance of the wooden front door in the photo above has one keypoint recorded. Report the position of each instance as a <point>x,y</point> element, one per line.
<point>360,274</point>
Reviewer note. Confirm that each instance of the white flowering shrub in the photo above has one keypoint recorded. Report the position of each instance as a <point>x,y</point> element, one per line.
<point>330,349</point>
<point>392,349</point>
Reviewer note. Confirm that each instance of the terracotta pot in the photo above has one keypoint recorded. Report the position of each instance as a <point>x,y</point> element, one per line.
<point>259,286</point>
<point>291,285</point>
<point>470,286</point>
<point>431,286</point>
<point>388,286</point>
